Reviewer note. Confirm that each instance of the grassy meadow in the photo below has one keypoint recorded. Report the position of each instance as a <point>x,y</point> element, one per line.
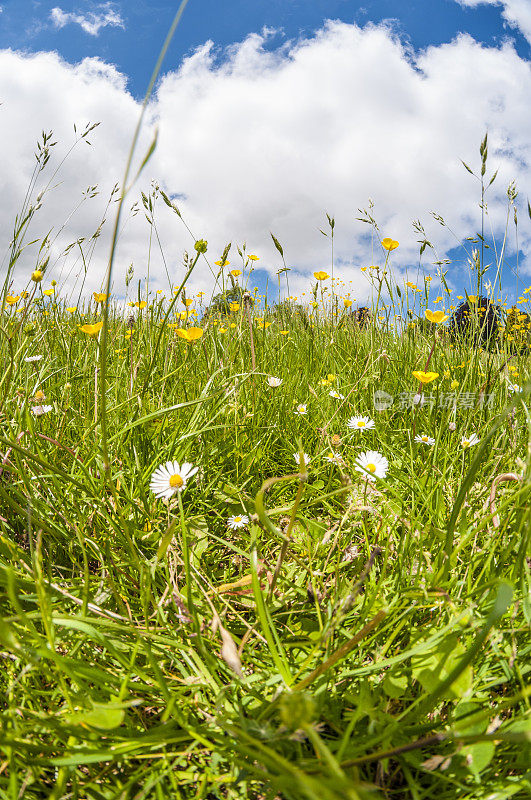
<point>229,569</point>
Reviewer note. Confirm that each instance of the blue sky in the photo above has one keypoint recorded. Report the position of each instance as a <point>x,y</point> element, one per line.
<point>407,89</point>
<point>134,48</point>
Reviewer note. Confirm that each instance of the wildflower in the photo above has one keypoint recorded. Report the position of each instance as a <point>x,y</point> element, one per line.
<point>235,273</point>
<point>71,309</point>
<point>238,521</point>
<point>360,423</point>
<point>234,307</point>
<point>372,464</point>
<point>253,258</point>
<point>189,334</point>
<point>411,285</point>
<point>469,441</point>
<point>48,292</point>
<point>423,439</point>
<point>11,300</point>
<point>304,457</point>
<point>29,359</point>
<point>92,330</point>
<point>37,276</point>
<point>334,458</point>
<point>301,409</point>
<point>347,303</point>
<point>283,333</point>
<point>221,264</point>
<point>452,426</point>
<point>320,275</point>
<point>142,304</point>
<point>39,396</point>
<point>336,395</point>
<point>38,411</point>
<point>425,377</point>
<point>472,298</point>
<point>512,387</point>
<point>364,269</point>
<point>336,440</point>
<point>436,316</point>
<point>170,478</point>
<point>389,244</point>
<point>274,382</point>
<point>200,246</point>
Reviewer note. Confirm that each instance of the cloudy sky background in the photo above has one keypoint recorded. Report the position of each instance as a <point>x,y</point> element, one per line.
<point>270,115</point>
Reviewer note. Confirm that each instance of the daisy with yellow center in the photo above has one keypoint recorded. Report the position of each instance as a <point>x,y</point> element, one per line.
<point>360,423</point>
<point>170,478</point>
<point>237,521</point>
<point>372,464</point>
<point>423,439</point>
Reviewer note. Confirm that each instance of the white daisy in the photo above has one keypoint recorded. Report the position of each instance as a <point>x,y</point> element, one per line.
<point>170,478</point>
<point>372,464</point>
<point>334,458</point>
<point>301,409</point>
<point>38,411</point>
<point>423,439</point>
<point>468,441</point>
<point>360,423</point>
<point>336,395</point>
<point>274,382</point>
<point>238,521</point>
<point>32,358</point>
<point>305,458</point>
<point>513,387</point>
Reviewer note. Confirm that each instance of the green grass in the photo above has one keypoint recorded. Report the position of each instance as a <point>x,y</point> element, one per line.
<point>148,651</point>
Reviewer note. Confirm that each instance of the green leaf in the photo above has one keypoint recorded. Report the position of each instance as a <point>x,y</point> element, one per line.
<point>478,756</point>
<point>432,668</point>
<point>395,686</point>
<point>104,717</point>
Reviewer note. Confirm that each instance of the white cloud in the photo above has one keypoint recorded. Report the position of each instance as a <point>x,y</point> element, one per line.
<point>262,141</point>
<point>517,13</point>
<point>91,22</point>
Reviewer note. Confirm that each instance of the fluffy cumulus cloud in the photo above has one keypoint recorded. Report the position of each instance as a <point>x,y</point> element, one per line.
<point>517,13</point>
<point>92,22</point>
<point>254,140</point>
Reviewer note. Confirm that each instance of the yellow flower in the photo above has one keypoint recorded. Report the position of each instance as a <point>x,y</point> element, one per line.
<point>92,330</point>
<point>320,275</point>
<point>187,302</point>
<point>314,305</point>
<point>436,316</point>
<point>222,263</point>
<point>347,303</point>
<point>72,309</point>
<point>364,269</point>
<point>253,258</point>
<point>425,377</point>
<point>39,396</point>
<point>48,292</point>
<point>99,297</point>
<point>141,304</point>
<point>389,244</point>
<point>454,384</point>
<point>283,333</point>
<point>411,285</point>
<point>37,276</point>
<point>12,299</point>
<point>235,273</point>
<point>189,334</point>
<point>234,307</point>
<point>472,298</point>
